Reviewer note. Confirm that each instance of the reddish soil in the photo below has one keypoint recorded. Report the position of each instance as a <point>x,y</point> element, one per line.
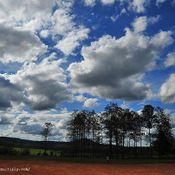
<point>14,167</point>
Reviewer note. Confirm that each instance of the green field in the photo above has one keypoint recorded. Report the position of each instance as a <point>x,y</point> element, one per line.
<point>33,151</point>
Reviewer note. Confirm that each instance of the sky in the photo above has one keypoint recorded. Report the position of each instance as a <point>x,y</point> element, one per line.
<point>57,56</point>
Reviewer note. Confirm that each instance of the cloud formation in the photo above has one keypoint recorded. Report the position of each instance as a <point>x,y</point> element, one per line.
<point>111,65</point>
<point>170,60</point>
<point>43,83</point>
<point>32,124</point>
<point>71,41</point>
<point>91,102</point>
<point>9,93</point>
<point>167,90</point>
<point>138,6</point>
<point>26,15</point>
<point>19,46</point>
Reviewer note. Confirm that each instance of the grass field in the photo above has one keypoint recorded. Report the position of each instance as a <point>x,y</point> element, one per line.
<point>33,167</point>
<point>38,151</point>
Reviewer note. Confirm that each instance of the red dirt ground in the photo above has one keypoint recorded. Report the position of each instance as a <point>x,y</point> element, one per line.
<point>58,168</point>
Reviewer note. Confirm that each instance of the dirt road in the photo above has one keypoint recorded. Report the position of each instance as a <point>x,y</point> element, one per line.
<point>19,167</point>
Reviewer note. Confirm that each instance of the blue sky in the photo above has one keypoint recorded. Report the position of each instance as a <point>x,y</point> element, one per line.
<point>57,56</point>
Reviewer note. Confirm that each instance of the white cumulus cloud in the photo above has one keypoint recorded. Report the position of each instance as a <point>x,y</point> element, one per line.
<point>72,40</point>
<point>167,90</point>
<point>90,102</point>
<point>170,60</point>
<point>44,84</point>
<point>113,68</point>
<point>19,46</point>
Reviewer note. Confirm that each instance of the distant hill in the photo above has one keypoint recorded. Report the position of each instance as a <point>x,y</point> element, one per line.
<point>22,143</point>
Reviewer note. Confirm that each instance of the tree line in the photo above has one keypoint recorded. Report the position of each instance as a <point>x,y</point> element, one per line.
<point>120,130</point>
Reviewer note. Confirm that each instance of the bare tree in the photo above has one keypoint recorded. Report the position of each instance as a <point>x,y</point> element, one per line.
<point>45,133</point>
